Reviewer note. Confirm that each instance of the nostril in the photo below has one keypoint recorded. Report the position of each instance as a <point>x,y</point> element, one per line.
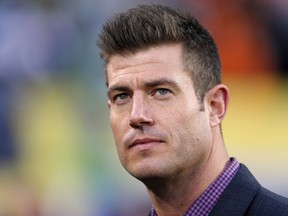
<point>136,126</point>
<point>137,121</point>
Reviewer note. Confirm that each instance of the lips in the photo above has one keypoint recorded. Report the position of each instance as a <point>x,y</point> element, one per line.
<point>144,141</point>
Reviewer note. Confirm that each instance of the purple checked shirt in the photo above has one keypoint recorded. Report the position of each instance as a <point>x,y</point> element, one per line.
<point>204,204</point>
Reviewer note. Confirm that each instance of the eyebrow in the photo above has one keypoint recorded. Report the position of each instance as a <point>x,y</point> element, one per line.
<point>149,84</point>
<point>162,81</point>
<point>117,88</point>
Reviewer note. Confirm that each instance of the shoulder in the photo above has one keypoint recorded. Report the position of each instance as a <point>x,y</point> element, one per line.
<point>245,196</point>
<point>268,203</point>
<point>264,201</point>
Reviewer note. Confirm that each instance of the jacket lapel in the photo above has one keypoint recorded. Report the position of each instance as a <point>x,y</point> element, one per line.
<point>238,195</point>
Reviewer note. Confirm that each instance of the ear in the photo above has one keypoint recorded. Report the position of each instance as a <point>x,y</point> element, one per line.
<point>109,104</point>
<point>218,99</point>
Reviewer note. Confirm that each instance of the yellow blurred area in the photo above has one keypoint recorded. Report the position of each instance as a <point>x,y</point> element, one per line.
<point>48,178</point>
<point>48,131</point>
<point>256,130</point>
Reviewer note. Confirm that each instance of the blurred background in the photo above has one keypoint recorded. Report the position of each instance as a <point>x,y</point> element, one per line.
<point>57,155</point>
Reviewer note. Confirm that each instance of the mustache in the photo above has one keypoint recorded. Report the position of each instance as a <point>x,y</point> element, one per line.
<point>132,135</point>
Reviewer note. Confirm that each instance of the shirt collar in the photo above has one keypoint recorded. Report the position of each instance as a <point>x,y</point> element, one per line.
<point>204,204</point>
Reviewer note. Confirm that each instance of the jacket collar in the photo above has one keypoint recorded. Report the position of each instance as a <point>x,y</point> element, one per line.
<point>238,195</point>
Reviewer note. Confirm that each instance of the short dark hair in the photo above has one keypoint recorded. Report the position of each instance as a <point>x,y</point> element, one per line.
<point>152,25</point>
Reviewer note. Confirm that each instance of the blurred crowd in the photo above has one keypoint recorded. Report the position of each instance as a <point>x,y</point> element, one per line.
<point>52,141</point>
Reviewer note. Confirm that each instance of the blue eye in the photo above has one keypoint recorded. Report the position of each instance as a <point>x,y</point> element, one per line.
<point>121,98</point>
<point>163,91</point>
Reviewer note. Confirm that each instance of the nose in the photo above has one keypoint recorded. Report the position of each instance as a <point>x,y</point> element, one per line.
<point>141,113</point>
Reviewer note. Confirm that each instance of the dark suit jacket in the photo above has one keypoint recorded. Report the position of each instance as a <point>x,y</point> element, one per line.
<point>244,196</point>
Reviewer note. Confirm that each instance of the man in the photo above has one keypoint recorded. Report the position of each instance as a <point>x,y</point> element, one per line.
<point>166,105</point>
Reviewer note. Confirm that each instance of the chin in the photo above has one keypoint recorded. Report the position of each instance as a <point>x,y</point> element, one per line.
<point>147,173</point>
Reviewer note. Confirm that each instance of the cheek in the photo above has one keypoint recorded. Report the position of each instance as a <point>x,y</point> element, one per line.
<point>118,136</point>
<point>188,126</point>
<point>119,128</point>
<point>184,118</point>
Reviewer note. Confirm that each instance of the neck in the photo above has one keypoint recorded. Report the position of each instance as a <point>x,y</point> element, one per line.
<point>174,195</point>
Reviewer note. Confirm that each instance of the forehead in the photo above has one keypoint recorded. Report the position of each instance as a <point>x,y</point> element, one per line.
<point>155,60</point>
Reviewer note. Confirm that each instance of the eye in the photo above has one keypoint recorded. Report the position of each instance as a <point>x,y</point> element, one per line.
<point>162,93</point>
<point>121,98</point>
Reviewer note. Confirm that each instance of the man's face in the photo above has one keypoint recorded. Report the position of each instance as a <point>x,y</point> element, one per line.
<point>155,116</point>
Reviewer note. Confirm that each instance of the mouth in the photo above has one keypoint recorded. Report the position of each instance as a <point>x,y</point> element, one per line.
<point>145,142</point>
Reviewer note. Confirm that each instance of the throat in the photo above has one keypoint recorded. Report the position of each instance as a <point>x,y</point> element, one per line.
<point>172,197</point>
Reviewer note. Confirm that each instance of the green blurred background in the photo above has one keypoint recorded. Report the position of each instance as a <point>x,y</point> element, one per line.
<point>57,155</point>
